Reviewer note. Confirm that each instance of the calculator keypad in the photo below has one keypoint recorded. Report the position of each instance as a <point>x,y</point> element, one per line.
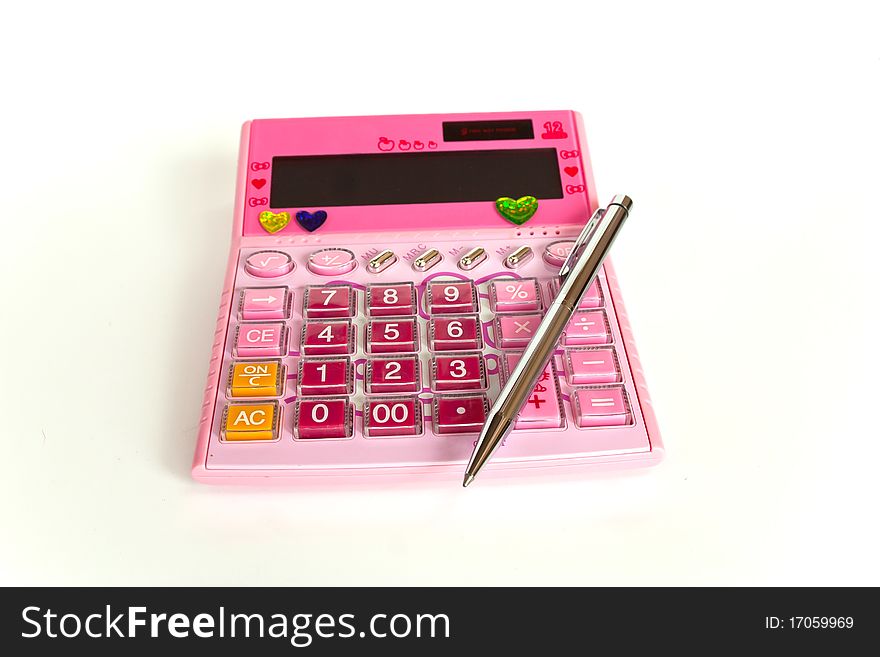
<point>370,356</point>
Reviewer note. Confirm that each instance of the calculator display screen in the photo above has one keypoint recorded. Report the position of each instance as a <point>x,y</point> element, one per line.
<point>424,177</point>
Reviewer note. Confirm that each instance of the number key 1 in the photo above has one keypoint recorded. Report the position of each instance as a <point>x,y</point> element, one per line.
<point>326,376</point>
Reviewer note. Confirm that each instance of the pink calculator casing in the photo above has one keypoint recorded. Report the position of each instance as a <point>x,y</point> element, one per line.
<point>410,230</point>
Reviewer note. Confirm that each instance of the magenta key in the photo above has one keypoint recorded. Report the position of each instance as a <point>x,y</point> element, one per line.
<point>516,331</point>
<point>460,413</point>
<point>392,336</point>
<point>458,372</point>
<point>327,338</point>
<point>515,295</point>
<point>323,418</point>
<point>391,299</point>
<point>326,376</point>
<point>398,416</point>
<point>601,407</point>
<point>264,303</point>
<point>328,301</point>
<point>260,340</point>
<point>455,333</point>
<point>589,327</point>
<point>543,409</point>
<point>589,366</point>
<point>592,297</point>
<point>451,297</point>
<point>390,375</point>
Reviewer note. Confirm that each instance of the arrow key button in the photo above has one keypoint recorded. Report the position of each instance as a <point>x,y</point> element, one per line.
<point>257,303</point>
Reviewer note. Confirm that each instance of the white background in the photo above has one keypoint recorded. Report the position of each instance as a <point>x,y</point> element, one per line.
<point>747,135</point>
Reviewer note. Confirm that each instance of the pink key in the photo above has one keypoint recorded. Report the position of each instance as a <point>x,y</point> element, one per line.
<point>515,295</point>
<point>592,297</point>
<point>393,299</point>
<point>327,338</point>
<point>323,418</point>
<point>589,327</point>
<point>331,262</point>
<point>588,366</point>
<point>455,333</point>
<point>269,264</point>
<point>260,340</point>
<point>392,336</point>
<point>458,372</point>
<point>516,331</point>
<point>542,409</point>
<point>390,375</point>
<point>326,376</point>
<point>460,413</point>
<point>601,407</point>
<point>450,297</point>
<point>556,253</point>
<point>264,303</point>
<point>329,301</point>
<point>398,416</point>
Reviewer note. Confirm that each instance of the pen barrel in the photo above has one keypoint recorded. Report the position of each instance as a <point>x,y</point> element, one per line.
<point>586,267</point>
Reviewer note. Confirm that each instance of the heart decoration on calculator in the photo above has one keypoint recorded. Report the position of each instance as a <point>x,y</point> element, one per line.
<point>517,211</point>
<point>311,221</point>
<point>274,221</point>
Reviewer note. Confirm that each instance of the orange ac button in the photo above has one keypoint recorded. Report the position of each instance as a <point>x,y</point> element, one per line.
<point>256,379</point>
<point>251,421</point>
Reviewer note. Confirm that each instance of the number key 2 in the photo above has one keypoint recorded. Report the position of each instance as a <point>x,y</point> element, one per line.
<point>458,372</point>
<point>455,333</point>
<point>391,299</point>
<point>329,301</point>
<point>323,418</point>
<point>400,416</point>
<point>446,298</point>
<point>390,375</point>
<point>388,336</point>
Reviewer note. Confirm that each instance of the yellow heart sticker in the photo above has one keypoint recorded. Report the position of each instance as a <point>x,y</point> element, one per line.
<point>272,222</point>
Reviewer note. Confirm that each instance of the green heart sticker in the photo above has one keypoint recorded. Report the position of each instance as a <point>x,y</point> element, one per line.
<point>518,210</point>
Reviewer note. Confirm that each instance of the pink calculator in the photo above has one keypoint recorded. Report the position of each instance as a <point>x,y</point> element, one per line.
<point>385,275</point>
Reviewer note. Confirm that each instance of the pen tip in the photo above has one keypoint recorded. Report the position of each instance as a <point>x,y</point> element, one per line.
<point>468,478</point>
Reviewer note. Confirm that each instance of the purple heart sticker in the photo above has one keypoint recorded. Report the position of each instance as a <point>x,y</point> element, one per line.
<point>311,221</point>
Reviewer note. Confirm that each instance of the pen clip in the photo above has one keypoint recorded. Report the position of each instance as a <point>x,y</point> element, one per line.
<point>579,244</point>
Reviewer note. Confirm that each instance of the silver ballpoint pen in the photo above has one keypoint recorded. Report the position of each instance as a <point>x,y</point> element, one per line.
<point>577,274</point>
